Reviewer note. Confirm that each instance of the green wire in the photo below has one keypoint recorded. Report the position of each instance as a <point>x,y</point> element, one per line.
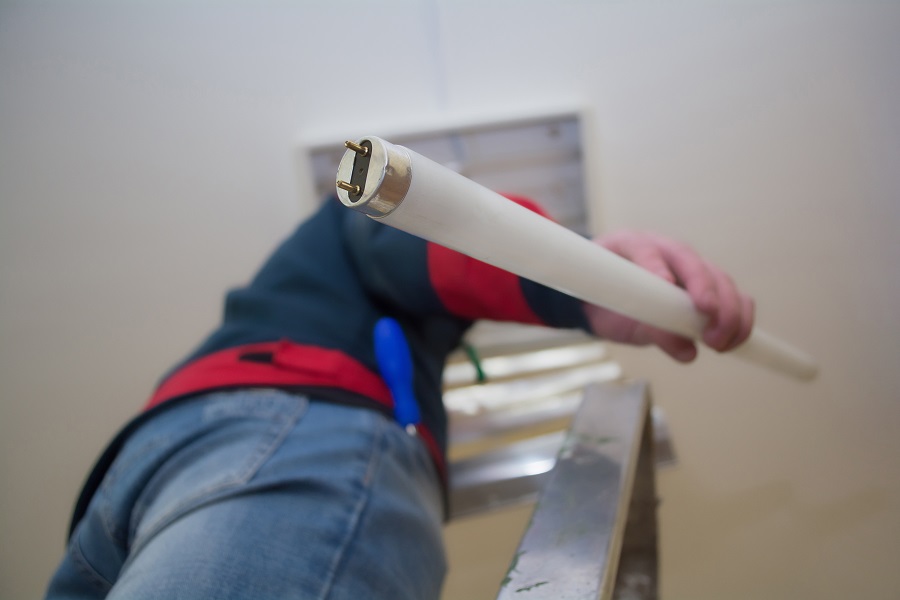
<point>476,362</point>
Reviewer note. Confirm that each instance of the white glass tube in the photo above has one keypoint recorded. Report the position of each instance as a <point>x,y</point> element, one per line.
<point>415,194</point>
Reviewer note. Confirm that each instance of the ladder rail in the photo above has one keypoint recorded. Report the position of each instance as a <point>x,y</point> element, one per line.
<point>597,510</point>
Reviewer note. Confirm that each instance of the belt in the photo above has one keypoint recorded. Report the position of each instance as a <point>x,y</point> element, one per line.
<point>289,366</point>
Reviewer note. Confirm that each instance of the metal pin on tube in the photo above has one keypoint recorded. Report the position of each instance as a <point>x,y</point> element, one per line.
<point>361,150</point>
<point>349,187</point>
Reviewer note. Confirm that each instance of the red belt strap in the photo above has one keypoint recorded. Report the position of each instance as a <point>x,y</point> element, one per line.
<point>285,364</point>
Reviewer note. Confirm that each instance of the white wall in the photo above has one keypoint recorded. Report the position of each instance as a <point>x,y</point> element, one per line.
<point>147,163</point>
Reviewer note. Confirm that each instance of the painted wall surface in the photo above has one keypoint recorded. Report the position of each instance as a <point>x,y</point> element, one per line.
<point>148,162</point>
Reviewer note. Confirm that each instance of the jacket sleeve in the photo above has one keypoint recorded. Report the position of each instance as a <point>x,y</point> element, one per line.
<point>422,278</point>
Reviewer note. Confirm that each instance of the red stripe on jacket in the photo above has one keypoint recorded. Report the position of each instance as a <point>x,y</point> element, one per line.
<point>472,289</point>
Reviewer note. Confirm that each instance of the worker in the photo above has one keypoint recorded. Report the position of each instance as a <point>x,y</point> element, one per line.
<point>269,463</point>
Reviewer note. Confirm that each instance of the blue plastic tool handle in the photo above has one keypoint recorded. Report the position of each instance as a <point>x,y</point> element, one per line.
<point>395,364</point>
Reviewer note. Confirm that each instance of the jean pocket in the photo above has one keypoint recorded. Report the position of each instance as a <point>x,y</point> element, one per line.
<point>231,435</point>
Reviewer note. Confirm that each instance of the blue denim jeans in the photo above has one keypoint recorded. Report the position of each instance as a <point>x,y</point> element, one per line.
<point>261,494</point>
